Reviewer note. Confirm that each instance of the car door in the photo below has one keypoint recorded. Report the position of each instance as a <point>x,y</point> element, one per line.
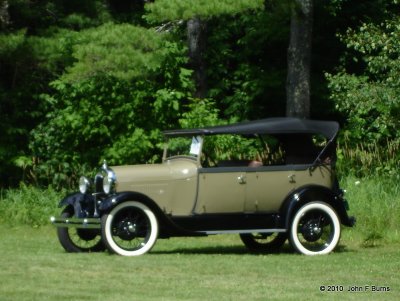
<point>267,187</point>
<point>220,190</point>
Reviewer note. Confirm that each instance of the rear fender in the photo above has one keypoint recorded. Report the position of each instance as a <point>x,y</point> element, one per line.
<point>311,193</point>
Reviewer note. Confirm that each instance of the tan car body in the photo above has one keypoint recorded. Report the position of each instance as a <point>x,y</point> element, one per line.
<point>181,187</point>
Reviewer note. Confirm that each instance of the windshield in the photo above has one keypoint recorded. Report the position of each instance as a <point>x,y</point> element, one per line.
<point>265,150</point>
<point>184,147</point>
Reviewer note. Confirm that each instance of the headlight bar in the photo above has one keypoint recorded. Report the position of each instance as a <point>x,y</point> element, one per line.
<point>104,181</point>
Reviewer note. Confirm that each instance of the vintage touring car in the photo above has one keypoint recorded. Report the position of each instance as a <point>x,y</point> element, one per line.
<point>267,180</point>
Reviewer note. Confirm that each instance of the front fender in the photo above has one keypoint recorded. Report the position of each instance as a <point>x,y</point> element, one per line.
<point>79,202</point>
<point>167,226</point>
<point>311,193</point>
<point>109,203</point>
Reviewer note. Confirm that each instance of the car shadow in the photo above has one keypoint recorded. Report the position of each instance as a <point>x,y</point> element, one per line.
<point>238,250</point>
<point>220,250</point>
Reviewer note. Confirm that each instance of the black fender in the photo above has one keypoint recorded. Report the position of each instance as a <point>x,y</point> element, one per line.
<point>112,201</point>
<point>167,226</point>
<point>311,193</point>
<point>79,202</point>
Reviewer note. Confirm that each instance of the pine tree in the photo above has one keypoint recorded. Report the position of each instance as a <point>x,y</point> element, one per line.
<point>196,14</point>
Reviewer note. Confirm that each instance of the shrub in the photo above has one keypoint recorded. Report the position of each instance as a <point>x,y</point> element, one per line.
<point>375,202</point>
<point>369,99</point>
<point>365,159</point>
<point>126,82</point>
<point>28,205</point>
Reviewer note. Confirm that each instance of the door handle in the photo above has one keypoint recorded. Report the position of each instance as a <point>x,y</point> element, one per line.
<point>241,179</point>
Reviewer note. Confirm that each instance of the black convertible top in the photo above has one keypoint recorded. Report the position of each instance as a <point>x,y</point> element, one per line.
<point>272,126</point>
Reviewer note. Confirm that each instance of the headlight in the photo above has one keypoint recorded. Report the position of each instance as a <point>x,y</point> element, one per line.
<point>109,182</point>
<point>84,185</point>
<point>109,178</point>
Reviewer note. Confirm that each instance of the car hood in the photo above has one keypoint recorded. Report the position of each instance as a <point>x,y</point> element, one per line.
<point>155,173</point>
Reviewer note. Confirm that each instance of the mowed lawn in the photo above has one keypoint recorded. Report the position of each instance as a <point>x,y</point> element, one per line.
<point>33,266</point>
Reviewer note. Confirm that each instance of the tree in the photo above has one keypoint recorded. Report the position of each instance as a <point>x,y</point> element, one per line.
<point>196,35</point>
<point>4,16</point>
<point>107,75</point>
<point>369,98</point>
<point>299,60</point>
<point>126,83</point>
<point>196,14</point>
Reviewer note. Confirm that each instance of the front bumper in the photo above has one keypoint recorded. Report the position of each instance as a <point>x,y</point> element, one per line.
<point>73,222</point>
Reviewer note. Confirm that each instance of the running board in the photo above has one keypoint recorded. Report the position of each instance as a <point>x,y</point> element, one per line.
<point>243,231</point>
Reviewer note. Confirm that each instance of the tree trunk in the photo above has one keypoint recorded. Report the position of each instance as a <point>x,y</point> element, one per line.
<point>299,60</point>
<point>196,33</point>
<point>4,16</point>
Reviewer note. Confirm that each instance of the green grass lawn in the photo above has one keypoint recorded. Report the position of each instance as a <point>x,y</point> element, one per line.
<point>33,266</point>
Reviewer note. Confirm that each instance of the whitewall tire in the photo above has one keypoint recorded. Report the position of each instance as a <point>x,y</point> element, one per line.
<point>130,229</point>
<point>315,229</point>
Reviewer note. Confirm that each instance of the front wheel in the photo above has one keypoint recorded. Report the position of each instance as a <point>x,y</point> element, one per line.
<point>130,229</point>
<point>79,240</point>
<point>315,229</point>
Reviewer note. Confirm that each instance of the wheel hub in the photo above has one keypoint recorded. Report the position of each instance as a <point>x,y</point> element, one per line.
<point>311,231</point>
<point>131,227</point>
<point>127,229</point>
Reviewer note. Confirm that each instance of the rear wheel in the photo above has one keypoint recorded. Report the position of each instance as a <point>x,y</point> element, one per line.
<point>130,229</point>
<point>79,240</point>
<point>315,229</point>
<point>263,242</point>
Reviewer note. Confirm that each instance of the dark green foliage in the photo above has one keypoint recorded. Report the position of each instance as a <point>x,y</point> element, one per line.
<point>366,91</point>
<point>121,51</point>
<point>27,64</point>
<point>171,10</point>
<point>112,102</point>
<point>200,113</point>
<point>34,50</point>
<point>370,98</point>
<point>38,16</point>
<point>83,81</point>
<point>249,60</point>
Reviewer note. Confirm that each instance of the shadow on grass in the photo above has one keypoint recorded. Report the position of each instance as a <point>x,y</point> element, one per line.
<point>220,250</point>
<point>239,250</point>
<point>344,249</point>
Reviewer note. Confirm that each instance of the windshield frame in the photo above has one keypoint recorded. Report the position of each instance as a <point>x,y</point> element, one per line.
<point>199,147</point>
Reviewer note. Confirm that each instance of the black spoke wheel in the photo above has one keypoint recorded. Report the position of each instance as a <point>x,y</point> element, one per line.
<point>130,229</point>
<point>79,240</point>
<point>263,242</point>
<point>315,229</point>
